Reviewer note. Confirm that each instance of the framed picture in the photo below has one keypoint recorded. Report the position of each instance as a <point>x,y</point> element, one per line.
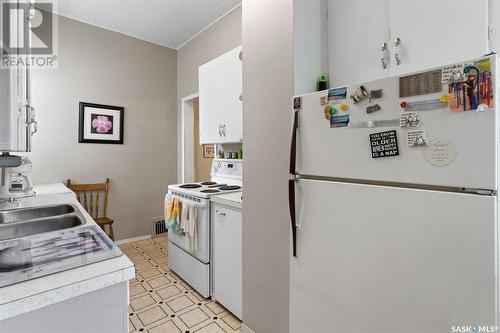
<point>208,151</point>
<point>100,123</point>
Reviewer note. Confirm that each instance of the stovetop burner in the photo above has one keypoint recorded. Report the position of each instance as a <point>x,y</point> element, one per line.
<point>190,186</point>
<point>209,191</point>
<point>230,188</point>
<point>208,183</point>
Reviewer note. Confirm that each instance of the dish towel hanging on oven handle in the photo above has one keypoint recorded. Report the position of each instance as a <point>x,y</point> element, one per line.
<point>189,226</point>
<point>173,209</point>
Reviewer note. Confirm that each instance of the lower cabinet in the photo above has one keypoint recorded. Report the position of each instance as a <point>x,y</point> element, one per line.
<point>227,257</point>
<point>102,310</point>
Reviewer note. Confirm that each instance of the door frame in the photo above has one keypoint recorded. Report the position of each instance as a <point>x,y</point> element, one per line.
<point>187,138</point>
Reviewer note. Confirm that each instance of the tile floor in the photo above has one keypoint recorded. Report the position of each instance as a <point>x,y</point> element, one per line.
<point>161,302</point>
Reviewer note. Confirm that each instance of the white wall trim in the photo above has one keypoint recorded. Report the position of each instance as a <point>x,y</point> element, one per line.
<point>208,26</point>
<point>191,97</point>
<point>133,239</point>
<point>187,148</point>
<point>246,329</point>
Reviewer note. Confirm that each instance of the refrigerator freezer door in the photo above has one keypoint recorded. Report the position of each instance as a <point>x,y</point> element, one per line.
<point>380,259</point>
<point>346,152</point>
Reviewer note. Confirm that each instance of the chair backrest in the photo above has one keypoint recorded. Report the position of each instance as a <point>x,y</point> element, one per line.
<point>88,196</point>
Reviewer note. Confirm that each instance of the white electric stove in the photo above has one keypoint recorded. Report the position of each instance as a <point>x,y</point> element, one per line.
<point>194,266</point>
<point>204,189</point>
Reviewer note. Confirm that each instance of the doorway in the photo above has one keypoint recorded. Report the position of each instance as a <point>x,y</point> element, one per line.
<point>203,154</point>
<point>196,159</point>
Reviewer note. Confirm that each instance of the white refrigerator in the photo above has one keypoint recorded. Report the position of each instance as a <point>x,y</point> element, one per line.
<point>393,203</point>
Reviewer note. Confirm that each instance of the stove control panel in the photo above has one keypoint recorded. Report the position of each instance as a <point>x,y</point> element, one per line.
<point>222,168</point>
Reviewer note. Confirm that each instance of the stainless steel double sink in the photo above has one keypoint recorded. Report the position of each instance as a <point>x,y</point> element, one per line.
<point>22,222</point>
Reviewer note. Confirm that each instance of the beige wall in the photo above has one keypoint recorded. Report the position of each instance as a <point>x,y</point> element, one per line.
<point>219,38</point>
<point>268,52</point>
<point>100,66</point>
<point>202,165</point>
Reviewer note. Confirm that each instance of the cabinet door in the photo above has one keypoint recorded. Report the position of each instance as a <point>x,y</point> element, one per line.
<point>15,133</point>
<point>231,95</point>
<point>12,110</point>
<point>220,85</point>
<point>227,258</point>
<point>210,87</point>
<point>356,31</point>
<point>437,32</point>
<point>494,22</point>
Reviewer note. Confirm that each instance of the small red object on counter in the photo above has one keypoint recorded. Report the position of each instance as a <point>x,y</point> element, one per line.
<point>403,104</point>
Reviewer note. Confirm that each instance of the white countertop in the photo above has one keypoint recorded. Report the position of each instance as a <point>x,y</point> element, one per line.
<point>34,294</point>
<point>55,188</point>
<point>231,199</point>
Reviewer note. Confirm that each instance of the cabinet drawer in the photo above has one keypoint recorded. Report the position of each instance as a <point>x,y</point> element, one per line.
<point>193,271</point>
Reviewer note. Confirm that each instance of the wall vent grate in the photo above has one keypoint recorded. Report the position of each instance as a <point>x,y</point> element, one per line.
<point>159,226</point>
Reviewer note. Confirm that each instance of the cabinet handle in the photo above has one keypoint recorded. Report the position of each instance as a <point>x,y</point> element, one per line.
<point>220,213</point>
<point>383,54</point>
<point>35,127</point>
<point>222,130</point>
<point>397,50</point>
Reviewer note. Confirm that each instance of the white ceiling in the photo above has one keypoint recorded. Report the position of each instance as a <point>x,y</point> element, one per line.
<point>169,23</point>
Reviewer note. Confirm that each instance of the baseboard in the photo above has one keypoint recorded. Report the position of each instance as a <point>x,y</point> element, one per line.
<point>246,329</point>
<point>133,239</point>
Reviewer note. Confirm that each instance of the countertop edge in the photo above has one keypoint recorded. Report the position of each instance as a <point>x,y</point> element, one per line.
<point>226,199</point>
<point>59,294</point>
<point>229,203</point>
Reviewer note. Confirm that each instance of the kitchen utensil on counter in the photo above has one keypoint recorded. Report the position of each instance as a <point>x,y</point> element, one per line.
<point>14,179</point>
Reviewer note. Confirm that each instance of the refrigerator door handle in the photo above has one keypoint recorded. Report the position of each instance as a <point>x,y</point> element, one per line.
<point>293,146</point>
<point>291,202</point>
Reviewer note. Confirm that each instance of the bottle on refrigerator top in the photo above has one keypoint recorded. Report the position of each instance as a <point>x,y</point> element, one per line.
<point>322,83</point>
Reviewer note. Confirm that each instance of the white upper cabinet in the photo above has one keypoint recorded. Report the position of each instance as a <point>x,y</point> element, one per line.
<point>494,31</point>
<point>220,89</point>
<point>437,32</point>
<point>356,31</point>
<point>16,114</point>
<point>431,33</point>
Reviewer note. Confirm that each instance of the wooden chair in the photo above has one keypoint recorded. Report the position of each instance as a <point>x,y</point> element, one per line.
<point>88,196</point>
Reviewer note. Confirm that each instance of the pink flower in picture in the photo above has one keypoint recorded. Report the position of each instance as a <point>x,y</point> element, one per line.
<point>102,124</point>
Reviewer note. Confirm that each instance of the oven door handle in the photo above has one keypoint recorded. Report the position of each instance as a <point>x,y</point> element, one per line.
<point>185,201</point>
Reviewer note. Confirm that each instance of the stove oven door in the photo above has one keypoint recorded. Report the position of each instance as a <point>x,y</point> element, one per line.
<point>202,252</point>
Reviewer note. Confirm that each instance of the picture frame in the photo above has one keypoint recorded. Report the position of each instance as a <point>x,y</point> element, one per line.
<point>208,151</point>
<point>99,123</point>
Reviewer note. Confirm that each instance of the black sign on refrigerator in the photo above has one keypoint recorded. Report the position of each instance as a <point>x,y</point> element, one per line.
<point>384,144</point>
